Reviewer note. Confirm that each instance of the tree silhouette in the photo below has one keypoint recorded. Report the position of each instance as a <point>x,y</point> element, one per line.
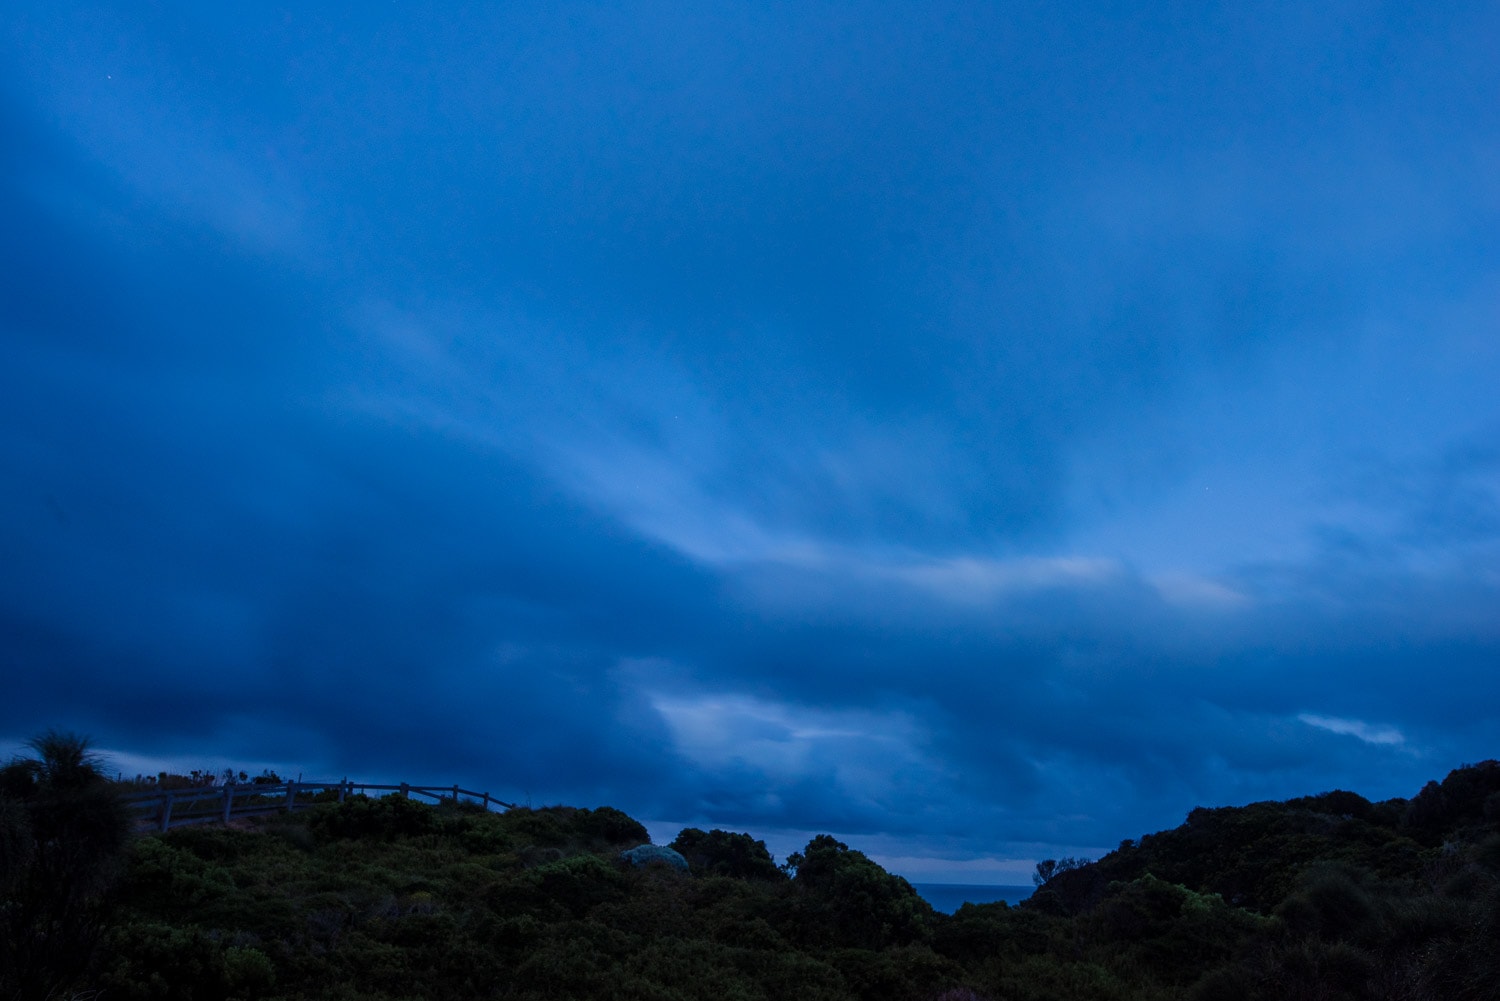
<point>1048,868</point>
<point>63,831</point>
<point>846,900</point>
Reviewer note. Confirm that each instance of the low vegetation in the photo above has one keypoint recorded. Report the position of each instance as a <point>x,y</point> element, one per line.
<point>1325,897</point>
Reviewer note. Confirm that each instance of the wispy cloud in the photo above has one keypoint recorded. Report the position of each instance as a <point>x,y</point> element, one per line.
<point>1370,733</point>
<point>967,579</point>
<point>1196,591</point>
<point>780,739</point>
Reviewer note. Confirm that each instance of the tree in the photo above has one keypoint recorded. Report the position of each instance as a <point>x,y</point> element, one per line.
<point>723,853</point>
<point>63,831</point>
<point>845,899</point>
<point>1048,868</point>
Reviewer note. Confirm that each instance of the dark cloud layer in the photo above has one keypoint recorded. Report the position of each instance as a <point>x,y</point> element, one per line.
<point>984,435</point>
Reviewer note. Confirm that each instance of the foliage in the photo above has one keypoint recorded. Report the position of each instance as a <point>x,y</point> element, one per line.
<point>725,854</point>
<point>1326,896</point>
<point>844,898</point>
<point>1046,869</point>
<point>644,855</point>
<point>388,817</point>
<point>62,834</point>
<point>1468,797</point>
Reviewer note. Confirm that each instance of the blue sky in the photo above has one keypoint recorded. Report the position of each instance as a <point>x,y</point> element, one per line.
<point>981,432</point>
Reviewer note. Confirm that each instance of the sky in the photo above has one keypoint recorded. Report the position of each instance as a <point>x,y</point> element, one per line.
<point>984,432</point>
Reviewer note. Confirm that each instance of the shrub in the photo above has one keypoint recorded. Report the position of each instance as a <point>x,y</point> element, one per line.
<point>578,883</point>
<point>157,962</point>
<point>644,855</point>
<point>248,973</point>
<point>847,900</point>
<point>611,827</point>
<point>362,817</point>
<point>1330,904</point>
<point>721,853</point>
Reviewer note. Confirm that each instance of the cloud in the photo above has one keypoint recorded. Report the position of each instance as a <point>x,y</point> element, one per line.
<point>859,753</point>
<point>1367,732</point>
<point>779,419</point>
<point>1195,591</point>
<point>967,579</point>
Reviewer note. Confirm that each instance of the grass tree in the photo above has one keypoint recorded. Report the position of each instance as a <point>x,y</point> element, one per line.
<point>63,832</point>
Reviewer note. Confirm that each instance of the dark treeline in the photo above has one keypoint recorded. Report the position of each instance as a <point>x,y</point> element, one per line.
<point>1324,897</point>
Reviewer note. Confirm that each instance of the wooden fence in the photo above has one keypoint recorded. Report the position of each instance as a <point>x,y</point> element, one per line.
<point>219,804</point>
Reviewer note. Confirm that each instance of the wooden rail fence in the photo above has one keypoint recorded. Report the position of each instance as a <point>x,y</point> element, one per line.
<point>218,804</point>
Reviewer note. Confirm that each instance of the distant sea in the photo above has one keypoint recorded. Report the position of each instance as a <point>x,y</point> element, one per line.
<point>949,897</point>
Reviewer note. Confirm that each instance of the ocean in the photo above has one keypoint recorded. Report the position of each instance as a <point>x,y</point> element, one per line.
<point>949,897</point>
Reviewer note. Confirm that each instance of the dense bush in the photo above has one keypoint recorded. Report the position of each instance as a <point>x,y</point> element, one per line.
<point>159,962</point>
<point>843,898</point>
<point>1469,796</point>
<point>1326,896</point>
<point>390,816</point>
<point>724,854</point>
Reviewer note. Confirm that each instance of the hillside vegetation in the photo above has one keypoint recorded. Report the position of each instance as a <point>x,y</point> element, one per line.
<point>1324,897</point>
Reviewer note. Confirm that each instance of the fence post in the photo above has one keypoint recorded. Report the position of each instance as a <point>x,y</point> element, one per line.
<point>455,795</point>
<point>343,788</point>
<point>228,800</point>
<point>166,812</point>
<point>405,791</point>
<point>486,802</point>
<point>291,796</point>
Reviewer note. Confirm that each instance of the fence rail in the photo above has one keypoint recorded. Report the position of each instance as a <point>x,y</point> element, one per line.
<point>219,804</point>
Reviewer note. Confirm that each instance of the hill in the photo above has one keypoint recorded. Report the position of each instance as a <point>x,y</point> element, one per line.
<point>1327,896</point>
